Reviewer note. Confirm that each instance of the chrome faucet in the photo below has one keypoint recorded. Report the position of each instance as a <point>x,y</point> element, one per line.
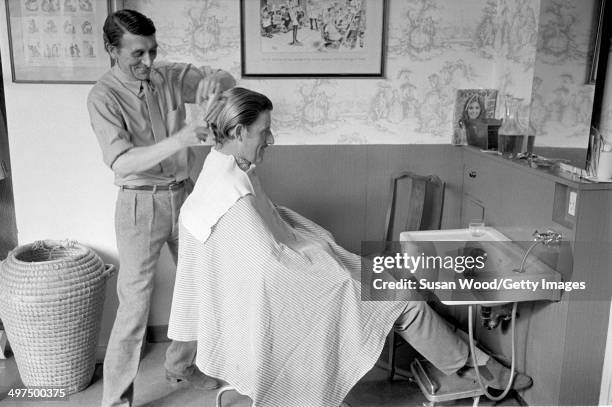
<point>548,237</point>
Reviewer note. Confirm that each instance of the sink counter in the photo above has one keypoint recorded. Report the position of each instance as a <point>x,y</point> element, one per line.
<point>522,165</point>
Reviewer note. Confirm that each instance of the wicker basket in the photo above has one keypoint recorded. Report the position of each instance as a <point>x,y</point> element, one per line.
<point>51,299</point>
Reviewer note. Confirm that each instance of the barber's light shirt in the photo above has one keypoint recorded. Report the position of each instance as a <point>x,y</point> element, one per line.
<point>120,117</point>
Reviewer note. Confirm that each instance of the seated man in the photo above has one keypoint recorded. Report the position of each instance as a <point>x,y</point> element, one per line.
<point>273,301</point>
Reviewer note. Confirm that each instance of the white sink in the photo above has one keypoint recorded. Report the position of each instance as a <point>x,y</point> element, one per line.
<point>489,234</point>
<point>506,255</point>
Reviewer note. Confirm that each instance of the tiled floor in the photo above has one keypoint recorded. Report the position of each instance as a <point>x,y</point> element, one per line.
<point>152,390</point>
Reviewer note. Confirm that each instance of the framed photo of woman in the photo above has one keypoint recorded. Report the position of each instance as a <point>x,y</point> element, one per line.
<point>474,117</point>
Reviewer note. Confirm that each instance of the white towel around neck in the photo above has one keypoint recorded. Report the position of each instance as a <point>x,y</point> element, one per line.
<point>220,185</point>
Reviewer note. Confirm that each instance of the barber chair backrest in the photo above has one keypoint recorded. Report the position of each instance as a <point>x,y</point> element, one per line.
<point>415,203</point>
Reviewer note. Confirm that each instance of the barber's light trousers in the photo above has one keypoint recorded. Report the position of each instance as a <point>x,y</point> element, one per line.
<point>144,222</point>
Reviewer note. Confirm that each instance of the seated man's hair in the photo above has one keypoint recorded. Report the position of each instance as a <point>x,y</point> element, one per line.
<point>242,106</point>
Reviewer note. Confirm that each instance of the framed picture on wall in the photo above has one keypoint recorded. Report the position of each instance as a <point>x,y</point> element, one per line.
<point>312,38</point>
<point>57,41</point>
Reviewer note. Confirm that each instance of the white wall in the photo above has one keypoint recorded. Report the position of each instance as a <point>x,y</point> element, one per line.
<point>561,104</point>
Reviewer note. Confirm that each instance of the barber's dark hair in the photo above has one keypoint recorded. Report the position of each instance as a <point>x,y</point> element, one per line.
<point>242,106</point>
<point>123,21</point>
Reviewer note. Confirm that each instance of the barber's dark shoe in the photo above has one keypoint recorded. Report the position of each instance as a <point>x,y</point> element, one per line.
<point>197,379</point>
<point>496,376</point>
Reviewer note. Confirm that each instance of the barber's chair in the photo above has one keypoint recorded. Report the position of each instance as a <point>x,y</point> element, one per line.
<point>415,203</point>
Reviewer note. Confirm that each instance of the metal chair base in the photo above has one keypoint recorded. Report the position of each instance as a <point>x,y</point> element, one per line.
<point>220,394</point>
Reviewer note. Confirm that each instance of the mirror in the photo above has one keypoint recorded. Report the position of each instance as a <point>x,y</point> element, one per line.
<point>601,119</point>
<point>563,92</point>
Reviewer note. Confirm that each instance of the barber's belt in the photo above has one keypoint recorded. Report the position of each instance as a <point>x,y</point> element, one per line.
<point>168,187</point>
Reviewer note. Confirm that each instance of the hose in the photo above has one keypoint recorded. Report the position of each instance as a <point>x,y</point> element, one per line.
<point>473,353</point>
<point>521,269</point>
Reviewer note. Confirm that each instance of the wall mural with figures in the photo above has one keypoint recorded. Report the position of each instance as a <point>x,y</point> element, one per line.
<point>561,103</point>
<point>434,47</point>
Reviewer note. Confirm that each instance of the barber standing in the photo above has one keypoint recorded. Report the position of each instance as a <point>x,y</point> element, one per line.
<point>137,111</point>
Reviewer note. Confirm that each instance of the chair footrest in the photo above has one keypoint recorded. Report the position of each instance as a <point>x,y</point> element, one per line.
<point>437,386</point>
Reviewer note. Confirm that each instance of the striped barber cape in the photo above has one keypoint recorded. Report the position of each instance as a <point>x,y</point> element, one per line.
<point>274,303</point>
